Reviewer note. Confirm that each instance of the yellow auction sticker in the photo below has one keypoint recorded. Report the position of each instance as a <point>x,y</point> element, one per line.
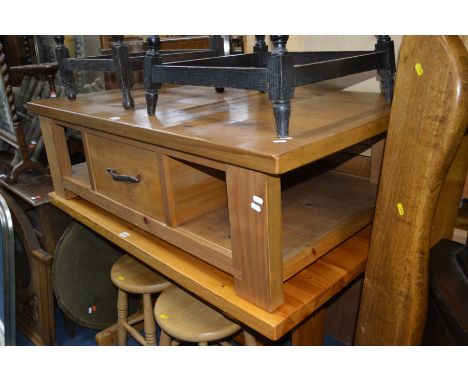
<point>121,278</point>
<point>400,208</point>
<point>164,316</point>
<point>419,69</point>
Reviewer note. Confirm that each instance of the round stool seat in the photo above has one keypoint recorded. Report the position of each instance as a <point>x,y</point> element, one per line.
<point>132,276</point>
<point>185,318</point>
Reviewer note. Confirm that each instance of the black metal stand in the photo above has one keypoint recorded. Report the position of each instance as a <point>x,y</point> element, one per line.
<point>278,72</point>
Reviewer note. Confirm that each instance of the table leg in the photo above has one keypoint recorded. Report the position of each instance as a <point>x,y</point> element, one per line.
<point>310,331</point>
<point>254,203</point>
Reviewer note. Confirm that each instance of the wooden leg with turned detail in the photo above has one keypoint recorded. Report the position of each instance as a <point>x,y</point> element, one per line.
<point>122,314</point>
<point>131,276</point>
<point>149,323</point>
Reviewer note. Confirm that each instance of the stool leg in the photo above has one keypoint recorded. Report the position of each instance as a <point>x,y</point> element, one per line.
<point>203,344</point>
<point>165,339</point>
<point>249,339</point>
<point>122,313</point>
<point>149,324</point>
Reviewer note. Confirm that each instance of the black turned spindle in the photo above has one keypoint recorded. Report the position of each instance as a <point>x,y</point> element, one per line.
<point>260,49</point>
<point>387,74</point>
<point>123,70</point>
<point>152,57</point>
<point>280,75</point>
<point>279,44</point>
<point>63,55</point>
<point>217,44</point>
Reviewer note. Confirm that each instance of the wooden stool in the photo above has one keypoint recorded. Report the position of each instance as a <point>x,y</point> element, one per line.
<point>130,276</point>
<point>182,317</point>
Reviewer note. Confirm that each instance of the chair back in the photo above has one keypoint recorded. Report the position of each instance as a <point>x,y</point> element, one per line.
<point>428,122</point>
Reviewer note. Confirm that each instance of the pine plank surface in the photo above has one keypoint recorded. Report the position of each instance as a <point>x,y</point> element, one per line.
<point>236,127</point>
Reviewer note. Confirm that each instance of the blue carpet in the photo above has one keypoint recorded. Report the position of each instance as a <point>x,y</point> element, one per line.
<point>85,337</point>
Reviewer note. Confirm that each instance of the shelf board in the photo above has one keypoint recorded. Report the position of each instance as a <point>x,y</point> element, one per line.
<point>317,215</point>
<point>321,213</point>
<point>212,226</point>
<point>80,175</point>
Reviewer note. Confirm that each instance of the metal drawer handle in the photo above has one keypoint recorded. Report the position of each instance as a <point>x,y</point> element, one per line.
<point>123,178</point>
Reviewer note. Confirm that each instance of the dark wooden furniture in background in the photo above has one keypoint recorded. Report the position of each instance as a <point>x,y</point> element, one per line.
<point>447,317</point>
<point>18,139</point>
<point>167,43</point>
<point>278,73</point>
<point>43,229</point>
<point>123,63</point>
<point>424,169</point>
<point>236,44</point>
<point>19,51</point>
<point>38,226</point>
<point>136,44</point>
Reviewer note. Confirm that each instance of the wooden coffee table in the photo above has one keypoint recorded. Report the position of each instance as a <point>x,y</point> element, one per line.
<point>208,175</point>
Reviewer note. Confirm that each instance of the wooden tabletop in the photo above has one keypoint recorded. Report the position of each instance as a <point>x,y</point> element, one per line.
<point>304,293</point>
<point>235,127</point>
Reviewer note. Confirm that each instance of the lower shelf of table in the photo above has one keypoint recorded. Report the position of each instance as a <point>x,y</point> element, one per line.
<point>317,215</point>
<point>303,294</point>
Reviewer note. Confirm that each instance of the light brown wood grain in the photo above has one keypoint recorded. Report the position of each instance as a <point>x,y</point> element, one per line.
<point>151,147</point>
<point>57,154</point>
<point>196,190</point>
<point>320,213</point>
<point>303,293</point>
<point>186,318</point>
<point>256,235</point>
<point>108,336</point>
<point>90,175</point>
<point>310,329</point>
<point>427,123</point>
<point>189,241</point>
<point>357,165</point>
<point>376,160</point>
<point>182,195</point>
<point>167,192</point>
<point>132,276</point>
<point>449,200</point>
<point>235,127</point>
<point>126,159</point>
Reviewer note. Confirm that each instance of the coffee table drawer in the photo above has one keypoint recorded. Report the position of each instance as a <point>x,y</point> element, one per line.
<point>126,174</point>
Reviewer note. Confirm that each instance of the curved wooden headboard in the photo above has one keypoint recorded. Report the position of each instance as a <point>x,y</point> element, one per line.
<point>428,120</point>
